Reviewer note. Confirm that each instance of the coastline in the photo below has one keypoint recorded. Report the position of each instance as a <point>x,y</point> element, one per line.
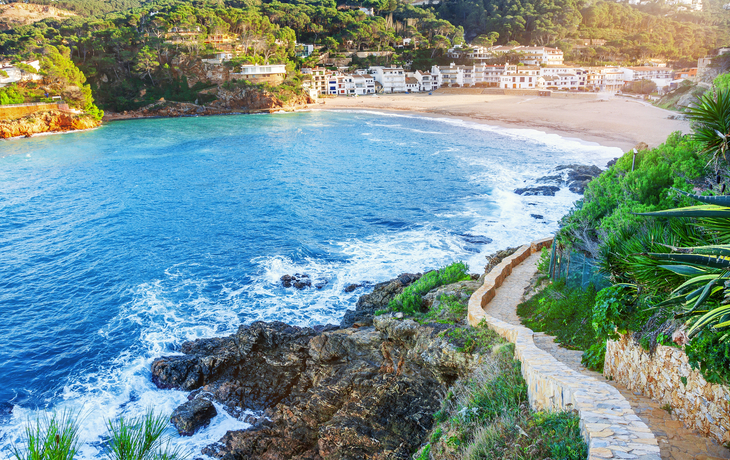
<point>611,121</point>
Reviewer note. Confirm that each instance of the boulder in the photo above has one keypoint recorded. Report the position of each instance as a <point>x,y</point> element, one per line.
<point>382,294</point>
<point>189,417</point>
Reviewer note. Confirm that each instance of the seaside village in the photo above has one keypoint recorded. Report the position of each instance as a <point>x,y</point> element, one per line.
<point>540,69</point>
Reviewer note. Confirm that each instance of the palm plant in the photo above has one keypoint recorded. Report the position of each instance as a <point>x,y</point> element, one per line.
<point>710,119</point>
<point>54,437</point>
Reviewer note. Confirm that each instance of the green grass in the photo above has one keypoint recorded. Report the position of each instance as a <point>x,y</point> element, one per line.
<point>56,437</point>
<point>564,312</point>
<point>410,301</point>
<point>50,437</point>
<point>487,416</point>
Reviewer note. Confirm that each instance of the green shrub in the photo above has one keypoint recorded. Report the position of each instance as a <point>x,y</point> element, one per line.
<point>409,301</point>
<point>562,311</point>
<point>710,353</point>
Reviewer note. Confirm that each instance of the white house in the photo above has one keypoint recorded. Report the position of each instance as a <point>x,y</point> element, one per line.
<point>427,81</point>
<point>520,77</point>
<point>15,74</point>
<point>392,78</point>
<point>364,84</point>
<point>272,73</point>
<point>533,55</point>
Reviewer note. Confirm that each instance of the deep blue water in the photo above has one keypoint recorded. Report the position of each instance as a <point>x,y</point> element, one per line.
<point>118,244</point>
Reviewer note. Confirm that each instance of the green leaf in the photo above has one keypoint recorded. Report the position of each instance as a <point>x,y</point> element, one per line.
<point>721,200</point>
<point>694,259</point>
<point>686,270</point>
<point>691,212</point>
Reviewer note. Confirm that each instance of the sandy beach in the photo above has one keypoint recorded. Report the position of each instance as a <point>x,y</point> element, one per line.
<point>607,120</point>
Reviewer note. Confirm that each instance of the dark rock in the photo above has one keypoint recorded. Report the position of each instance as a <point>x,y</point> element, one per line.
<point>382,294</point>
<point>224,366</point>
<point>352,287</point>
<point>579,176</point>
<point>537,216</point>
<point>543,190</point>
<point>321,284</point>
<point>611,163</point>
<point>189,417</point>
<point>297,280</point>
<point>362,394</point>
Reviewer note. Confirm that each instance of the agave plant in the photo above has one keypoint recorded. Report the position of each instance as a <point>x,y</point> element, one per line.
<point>710,119</point>
<point>707,268</point>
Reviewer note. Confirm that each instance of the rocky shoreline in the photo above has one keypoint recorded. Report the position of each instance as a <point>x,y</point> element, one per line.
<point>364,389</point>
<point>228,102</point>
<point>45,122</point>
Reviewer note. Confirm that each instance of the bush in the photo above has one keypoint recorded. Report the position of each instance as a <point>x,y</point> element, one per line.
<point>410,302</point>
<point>564,312</point>
<point>54,437</point>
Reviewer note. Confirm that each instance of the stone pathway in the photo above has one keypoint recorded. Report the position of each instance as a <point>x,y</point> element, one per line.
<point>675,441</point>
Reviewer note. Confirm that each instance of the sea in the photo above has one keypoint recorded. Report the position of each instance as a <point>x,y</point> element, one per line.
<point>120,243</point>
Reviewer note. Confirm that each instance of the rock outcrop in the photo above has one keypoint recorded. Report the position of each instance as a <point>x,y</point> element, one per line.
<point>382,294</point>
<point>193,415</point>
<point>328,392</point>
<point>237,100</point>
<point>45,122</point>
<point>573,176</point>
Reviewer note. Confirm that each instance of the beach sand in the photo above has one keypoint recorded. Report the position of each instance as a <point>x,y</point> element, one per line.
<point>607,120</point>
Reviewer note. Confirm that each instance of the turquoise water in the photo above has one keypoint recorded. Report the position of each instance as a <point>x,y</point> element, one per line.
<point>118,244</point>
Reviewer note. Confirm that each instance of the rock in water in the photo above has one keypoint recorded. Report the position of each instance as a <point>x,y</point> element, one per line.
<point>193,415</point>
<point>538,190</point>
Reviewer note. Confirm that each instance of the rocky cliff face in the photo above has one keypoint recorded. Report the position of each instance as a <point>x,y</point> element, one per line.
<point>45,122</point>
<point>237,100</point>
<point>367,391</point>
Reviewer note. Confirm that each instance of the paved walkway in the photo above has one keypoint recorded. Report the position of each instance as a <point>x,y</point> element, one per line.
<point>675,441</point>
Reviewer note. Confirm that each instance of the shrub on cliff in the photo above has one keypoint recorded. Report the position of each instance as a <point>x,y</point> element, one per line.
<point>410,300</point>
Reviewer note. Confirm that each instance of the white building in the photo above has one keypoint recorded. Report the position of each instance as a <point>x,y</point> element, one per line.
<point>16,74</point>
<point>364,84</point>
<point>428,81</point>
<point>393,78</point>
<point>520,77</point>
<point>273,73</point>
<point>532,55</point>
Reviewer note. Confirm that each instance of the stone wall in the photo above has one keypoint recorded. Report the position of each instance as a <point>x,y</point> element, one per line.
<point>668,378</point>
<point>609,425</point>
<point>11,112</point>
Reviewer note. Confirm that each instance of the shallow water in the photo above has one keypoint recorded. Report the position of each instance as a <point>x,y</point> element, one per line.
<point>118,244</point>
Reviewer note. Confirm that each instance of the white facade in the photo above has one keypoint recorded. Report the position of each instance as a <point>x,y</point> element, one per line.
<point>263,70</point>
<point>427,81</point>
<point>392,78</point>
<point>520,77</point>
<point>533,55</point>
<point>15,74</point>
<point>364,84</point>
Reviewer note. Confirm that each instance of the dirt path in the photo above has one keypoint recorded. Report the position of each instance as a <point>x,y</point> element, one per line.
<point>675,441</point>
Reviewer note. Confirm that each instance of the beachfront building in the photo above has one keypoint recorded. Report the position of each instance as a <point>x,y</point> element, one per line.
<point>364,84</point>
<point>610,79</point>
<point>452,75</point>
<point>686,74</point>
<point>269,73</point>
<point>661,76</point>
<point>520,77</point>
<point>426,80</point>
<point>489,76</point>
<point>392,78</point>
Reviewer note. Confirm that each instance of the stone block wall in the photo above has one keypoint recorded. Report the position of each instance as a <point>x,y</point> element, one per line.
<point>11,112</point>
<point>608,424</point>
<point>667,378</point>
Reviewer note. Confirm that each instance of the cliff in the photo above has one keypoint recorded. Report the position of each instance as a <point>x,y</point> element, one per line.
<point>45,122</point>
<point>366,389</point>
<point>238,99</point>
